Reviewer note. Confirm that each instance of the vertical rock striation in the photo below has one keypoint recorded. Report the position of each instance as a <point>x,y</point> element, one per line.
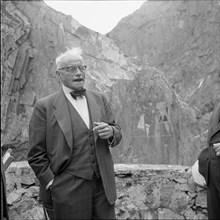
<point>181,38</point>
<point>159,124</point>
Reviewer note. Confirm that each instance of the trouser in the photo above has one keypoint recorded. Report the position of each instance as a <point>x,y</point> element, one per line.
<point>48,213</point>
<point>77,198</point>
<point>213,189</point>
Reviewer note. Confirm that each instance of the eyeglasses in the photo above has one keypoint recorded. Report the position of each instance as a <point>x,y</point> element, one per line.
<point>73,69</point>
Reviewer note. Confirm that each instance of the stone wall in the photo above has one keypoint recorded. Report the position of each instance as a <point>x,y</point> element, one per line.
<point>144,192</point>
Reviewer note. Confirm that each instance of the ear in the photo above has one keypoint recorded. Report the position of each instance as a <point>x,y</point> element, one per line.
<point>57,76</point>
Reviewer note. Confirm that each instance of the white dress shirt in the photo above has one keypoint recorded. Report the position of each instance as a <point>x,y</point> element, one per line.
<point>80,104</point>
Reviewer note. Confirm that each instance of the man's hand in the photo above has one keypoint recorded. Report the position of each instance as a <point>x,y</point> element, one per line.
<point>104,130</point>
<point>216,148</point>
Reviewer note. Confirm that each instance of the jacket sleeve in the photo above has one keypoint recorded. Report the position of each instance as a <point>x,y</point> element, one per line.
<point>115,140</point>
<point>214,123</point>
<point>37,154</point>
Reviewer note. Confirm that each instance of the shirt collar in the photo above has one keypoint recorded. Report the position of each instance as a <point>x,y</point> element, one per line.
<point>66,90</point>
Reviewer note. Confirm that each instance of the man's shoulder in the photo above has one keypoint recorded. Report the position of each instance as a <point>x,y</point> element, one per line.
<point>95,92</point>
<point>47,98</point>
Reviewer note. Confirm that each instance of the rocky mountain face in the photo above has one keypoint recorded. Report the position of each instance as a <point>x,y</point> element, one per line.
<point>182,39</point>
<point>160,123</point>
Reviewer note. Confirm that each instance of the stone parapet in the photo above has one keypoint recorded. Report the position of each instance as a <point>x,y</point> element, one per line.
<point>144,192</point>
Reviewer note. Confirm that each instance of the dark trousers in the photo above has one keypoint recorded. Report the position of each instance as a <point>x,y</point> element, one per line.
<point>83,199</point>
<point>213,189</point>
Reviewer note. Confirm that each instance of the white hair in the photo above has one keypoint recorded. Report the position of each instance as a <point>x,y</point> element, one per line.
<point>70,54</point>
<point>74,51</point>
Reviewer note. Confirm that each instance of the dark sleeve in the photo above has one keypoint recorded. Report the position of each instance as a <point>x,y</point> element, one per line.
<point>37,154</point>
<point>115,140</point>
<point>214,123</point>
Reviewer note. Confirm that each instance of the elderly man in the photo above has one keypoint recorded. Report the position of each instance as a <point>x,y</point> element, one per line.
<point>70,134</point>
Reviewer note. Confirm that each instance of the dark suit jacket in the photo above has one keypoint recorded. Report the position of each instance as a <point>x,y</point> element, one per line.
<point>51,139</point>
<point>204,157</point>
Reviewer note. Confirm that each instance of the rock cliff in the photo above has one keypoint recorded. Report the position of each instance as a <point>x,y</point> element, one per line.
<point>181,38</point>
<point>33,34</point>
<point>159,124</point>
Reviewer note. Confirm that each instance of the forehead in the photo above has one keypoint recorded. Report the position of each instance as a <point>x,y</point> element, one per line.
<point>70,61</point>
<point>74,62</point>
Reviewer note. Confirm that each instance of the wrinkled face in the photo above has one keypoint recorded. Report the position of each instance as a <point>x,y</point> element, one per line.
<point>73,76</point>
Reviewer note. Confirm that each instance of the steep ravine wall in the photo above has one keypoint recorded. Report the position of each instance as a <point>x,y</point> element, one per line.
<point>33,34</point>
<point>144,192</point>
<point>181,38</point>
<point>157,125</point>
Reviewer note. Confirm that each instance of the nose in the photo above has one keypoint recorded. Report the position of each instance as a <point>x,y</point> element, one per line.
<point>78,72</point>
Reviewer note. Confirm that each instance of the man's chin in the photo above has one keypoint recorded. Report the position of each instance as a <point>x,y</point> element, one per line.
<point>78,85</point>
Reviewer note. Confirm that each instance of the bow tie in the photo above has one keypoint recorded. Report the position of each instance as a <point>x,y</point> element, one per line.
<point>78,93</point>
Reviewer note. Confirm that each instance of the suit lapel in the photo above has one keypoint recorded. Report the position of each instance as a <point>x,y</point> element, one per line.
<point>63,117</point>
<point>217,129</point>
<point>94,110</point>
